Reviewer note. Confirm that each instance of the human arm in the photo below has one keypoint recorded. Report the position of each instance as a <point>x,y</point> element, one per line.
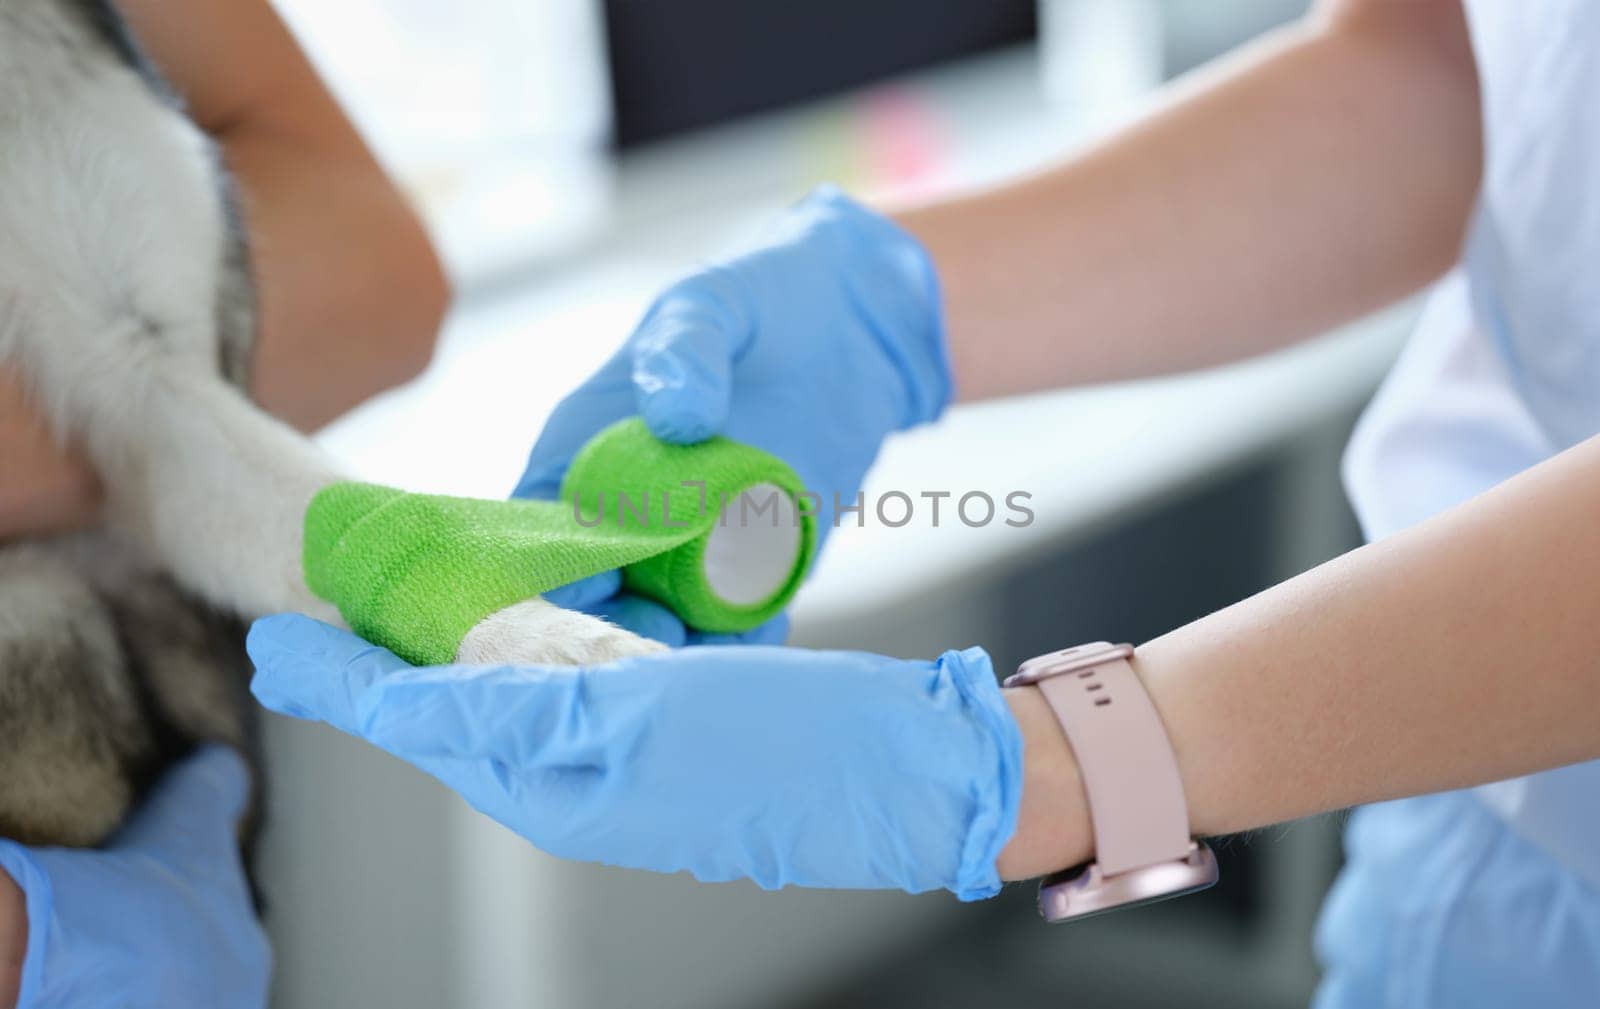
<point>350,292</point>
<point>1324,172</point>
<point>778,765</point>
<point>161,916</point>
<point>1318,174</point>
<point>1456,653</point>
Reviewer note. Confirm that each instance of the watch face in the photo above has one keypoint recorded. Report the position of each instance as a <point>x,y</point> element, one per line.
<point>1084,892</point>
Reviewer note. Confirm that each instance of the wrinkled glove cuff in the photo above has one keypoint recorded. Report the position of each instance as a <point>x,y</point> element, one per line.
<point>998,798</point>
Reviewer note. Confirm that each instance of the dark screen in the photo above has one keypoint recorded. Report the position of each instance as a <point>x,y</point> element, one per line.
<point>679,64</point>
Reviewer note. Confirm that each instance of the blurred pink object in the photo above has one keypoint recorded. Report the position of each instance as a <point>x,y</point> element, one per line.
<point>904,144</point>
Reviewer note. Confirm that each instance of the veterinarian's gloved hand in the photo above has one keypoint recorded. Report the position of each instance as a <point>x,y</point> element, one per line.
<point>784,766</point>
<point>161,917</point>
<point>815,346</point>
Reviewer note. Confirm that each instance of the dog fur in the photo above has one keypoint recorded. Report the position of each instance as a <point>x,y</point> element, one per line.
<point>126,303</point>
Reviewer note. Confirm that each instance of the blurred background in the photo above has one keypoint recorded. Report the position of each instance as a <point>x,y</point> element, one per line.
<point>571,157</point>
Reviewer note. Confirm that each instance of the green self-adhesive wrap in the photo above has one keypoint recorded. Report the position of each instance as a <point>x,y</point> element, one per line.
<point>416,572</point>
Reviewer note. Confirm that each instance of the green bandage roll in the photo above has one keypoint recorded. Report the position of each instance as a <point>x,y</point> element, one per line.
<point>719,532</point>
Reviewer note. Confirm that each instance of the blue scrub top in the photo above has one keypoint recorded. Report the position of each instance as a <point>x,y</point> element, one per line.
<point>1490,897</point>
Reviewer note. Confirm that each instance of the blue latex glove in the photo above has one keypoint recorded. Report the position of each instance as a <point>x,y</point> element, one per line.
<point>830,769</point>
<point>161,917</point>
<point>814,346</point>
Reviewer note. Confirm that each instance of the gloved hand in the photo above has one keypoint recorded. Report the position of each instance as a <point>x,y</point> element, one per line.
<point>829,769</point>
<point>814,346</point>
<point>161,917</point>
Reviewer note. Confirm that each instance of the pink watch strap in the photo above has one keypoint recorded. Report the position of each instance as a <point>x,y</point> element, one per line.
<point>1136,801</point>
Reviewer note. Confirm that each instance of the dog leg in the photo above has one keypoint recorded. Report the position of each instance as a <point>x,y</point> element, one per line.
<point>218,492</point>
<point>539,633</point>
<point>214,490</point>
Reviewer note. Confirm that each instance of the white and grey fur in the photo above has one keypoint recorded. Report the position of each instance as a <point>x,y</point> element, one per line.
<point>126,303</point>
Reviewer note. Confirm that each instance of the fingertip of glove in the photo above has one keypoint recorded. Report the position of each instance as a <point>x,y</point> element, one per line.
<point>223,761</point>
<point>680,418</point>
<point>645,618</point>
<point>210,787</point>
<point>283,635</point>
<point>540,486</point>
<point>773,632</point>
<point>273,644</point>
<point>220,771</point>
<point>586,593</point>
<point>265,688</point>
<point>267,632</point>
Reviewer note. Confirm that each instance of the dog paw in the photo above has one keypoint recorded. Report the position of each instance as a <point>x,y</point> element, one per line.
<point>535,632</point>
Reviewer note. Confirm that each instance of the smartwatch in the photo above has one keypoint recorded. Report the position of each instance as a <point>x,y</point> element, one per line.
<point>1143,851</point>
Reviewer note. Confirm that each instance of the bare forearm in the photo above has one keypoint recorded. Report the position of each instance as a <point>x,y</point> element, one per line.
<point>350,291</point>
<point>1319,175</point>
<point>1459,652</point>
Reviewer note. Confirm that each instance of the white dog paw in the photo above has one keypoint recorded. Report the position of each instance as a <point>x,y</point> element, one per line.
<point>536,632</point>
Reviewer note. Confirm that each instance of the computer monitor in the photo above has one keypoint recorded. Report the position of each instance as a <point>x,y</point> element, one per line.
<point>681,64</point>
